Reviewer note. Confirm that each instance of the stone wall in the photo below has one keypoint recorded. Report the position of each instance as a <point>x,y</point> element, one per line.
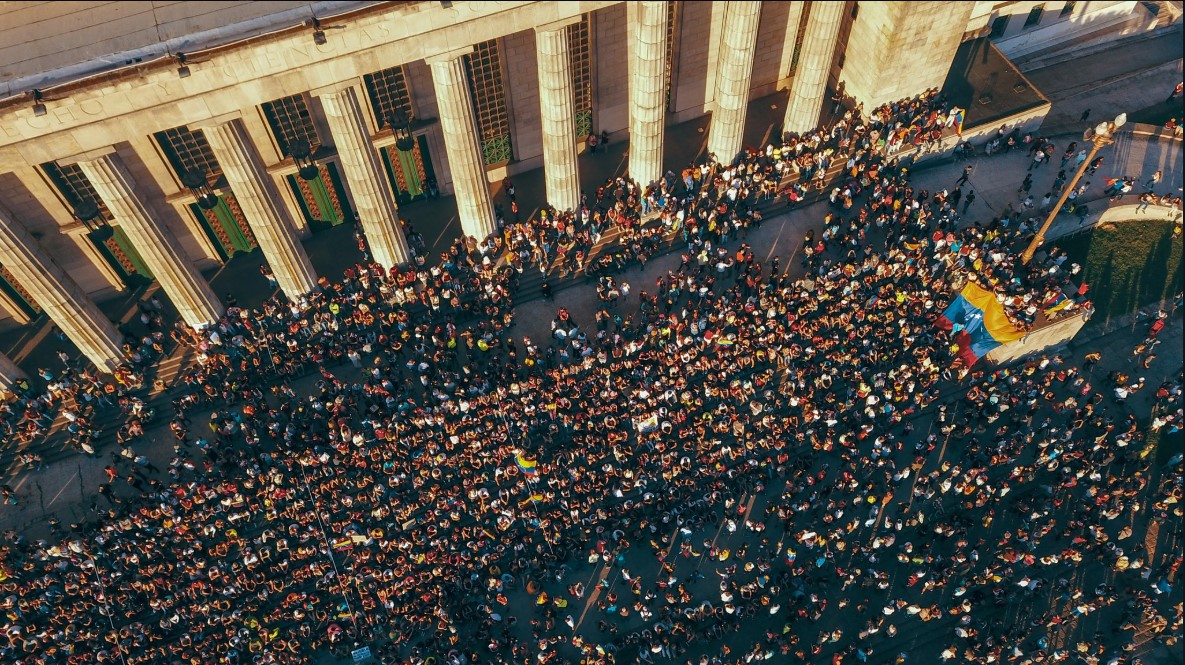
<point>899,49</point>
<point>612,92</point>
<point>775,48</point>
<point>696,44</point>
<point>979,136</point>
<point>521,77</point>
<point>1054,30</point>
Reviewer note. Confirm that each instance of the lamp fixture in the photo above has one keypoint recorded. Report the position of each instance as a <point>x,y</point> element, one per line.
<point>318,33</point>
<point>87,212</point>
<point>196,182</point>
<point>183,69</point>
<point>302,155</point>
<point>38,105</point>
<point>401,127</point>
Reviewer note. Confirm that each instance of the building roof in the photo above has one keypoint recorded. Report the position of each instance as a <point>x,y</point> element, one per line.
<point>49,43</point>
<point>986,83</point>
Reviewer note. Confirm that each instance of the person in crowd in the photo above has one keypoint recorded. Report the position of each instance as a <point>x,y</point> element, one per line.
<point>437,504</point>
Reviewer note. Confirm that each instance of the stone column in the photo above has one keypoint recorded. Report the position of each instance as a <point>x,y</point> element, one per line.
<point>462,143</point>
<point>179,279</point>
<point>10,374</point>
<point>734,69</point>
<point>59,295</point>
<point>557,109</point>
<point>371,189</point>
<point>260,202</point>
<point>809,89</point>
<point>646,30</point>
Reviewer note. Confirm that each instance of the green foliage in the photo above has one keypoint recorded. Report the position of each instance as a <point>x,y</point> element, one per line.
<point>1128,265</point>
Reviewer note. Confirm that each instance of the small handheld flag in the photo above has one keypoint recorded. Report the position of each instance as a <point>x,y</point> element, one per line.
<point>527,466</point>
<point>536,497</point>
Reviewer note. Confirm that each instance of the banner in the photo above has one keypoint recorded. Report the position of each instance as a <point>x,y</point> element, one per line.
<point>979,323</point>
<point>526,465</point>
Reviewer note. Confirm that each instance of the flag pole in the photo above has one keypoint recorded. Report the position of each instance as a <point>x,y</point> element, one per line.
<point>530,489</point>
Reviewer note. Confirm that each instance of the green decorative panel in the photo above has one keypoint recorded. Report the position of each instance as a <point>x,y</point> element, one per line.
<point>497,150</point>
<point>319,198</point>
<point>584,125</point>
<point>224,229</point>
<point>18,295</point>
<point>120,240</point>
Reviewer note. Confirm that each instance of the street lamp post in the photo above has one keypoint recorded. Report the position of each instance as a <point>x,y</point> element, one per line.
<point>196,182</point>
<point>1103,134</point>
<point>401,127</point>
<point>302,156</point>
<point>87,212</point>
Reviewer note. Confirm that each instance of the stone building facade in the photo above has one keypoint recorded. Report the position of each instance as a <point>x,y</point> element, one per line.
<point>152,140</point>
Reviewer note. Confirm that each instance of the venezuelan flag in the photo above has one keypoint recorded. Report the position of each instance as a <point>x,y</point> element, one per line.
<point>536,497</point>
<point>1060,301</point>
<point>526,465</point>
<point>979,323</point>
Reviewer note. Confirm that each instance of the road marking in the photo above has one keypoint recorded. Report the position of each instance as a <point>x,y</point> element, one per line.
<point>592,597</point>
<point>773,248</point>
<point>68,483</point>
<point>444,230</point>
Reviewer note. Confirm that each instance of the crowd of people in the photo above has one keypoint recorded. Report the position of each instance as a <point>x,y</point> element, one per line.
<point>439,503</point>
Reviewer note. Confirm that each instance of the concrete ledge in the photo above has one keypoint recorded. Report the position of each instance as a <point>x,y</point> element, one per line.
<point>1138,29</point>
<point>1123,210</point>
<point>1038,340</point>
<point>1156,132</point>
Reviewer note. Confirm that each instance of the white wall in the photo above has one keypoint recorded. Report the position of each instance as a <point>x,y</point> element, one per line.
<point>1053,29</point>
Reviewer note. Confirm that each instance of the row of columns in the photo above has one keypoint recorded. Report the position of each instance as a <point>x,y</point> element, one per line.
<point>259,198</point>
<point>59,296</point>
<point>646,37</point>
<point>372,193</point>
<point>646,30</point>
<point>814,66</point>
<point>646,33</point>
<point>734,70</point>
<point>178,277</point>
<point>462,142</point>
<point>256,192</point>
<point>374,199</point>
